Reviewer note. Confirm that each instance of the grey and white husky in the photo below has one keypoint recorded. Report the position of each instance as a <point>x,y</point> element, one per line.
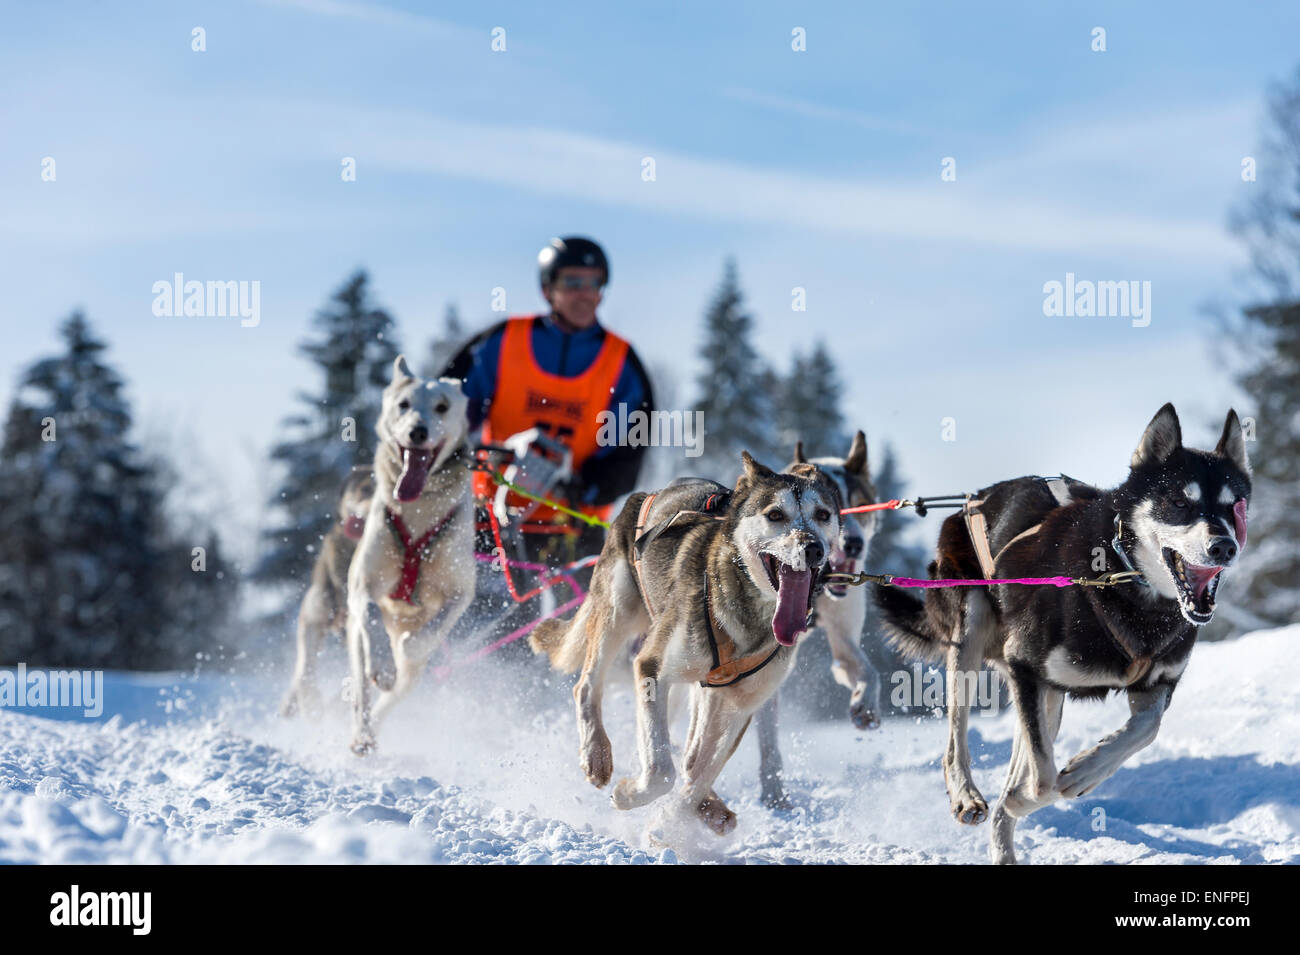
<point>839,612</point>
<point>721,595</point>
<point>1179,519</point>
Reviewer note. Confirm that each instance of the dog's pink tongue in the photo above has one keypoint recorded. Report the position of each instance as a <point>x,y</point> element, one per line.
<point>415,469</point>
<point>1200,578</point>
<point>791,615</point>
<point>1239,518</point>
<point>354,525</point>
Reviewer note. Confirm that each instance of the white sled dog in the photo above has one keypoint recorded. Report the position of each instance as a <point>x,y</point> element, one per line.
<point>839,612</point>
<point>413,572</point>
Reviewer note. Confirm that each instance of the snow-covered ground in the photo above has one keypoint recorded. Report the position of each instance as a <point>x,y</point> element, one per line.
<point>483,768</point>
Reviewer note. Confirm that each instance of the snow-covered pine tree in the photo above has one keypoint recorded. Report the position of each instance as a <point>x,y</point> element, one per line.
<point>200,590</point>
<point>79,521</point>
<point>737,391</point>
<point>334,431</point>
<point>1268,333</point>
<point>445,344</point>
<point>809,410</point>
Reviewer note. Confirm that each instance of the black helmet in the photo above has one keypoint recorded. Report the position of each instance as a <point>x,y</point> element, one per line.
<point>570,251</point>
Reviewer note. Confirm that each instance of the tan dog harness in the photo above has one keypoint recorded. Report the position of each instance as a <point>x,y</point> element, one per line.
<point>727,669</point>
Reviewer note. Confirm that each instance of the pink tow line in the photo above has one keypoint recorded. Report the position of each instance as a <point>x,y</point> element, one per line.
<point>443,670</point>
<point>961,582</point>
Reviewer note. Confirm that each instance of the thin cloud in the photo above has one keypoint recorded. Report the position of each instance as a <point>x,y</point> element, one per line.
<point>371,13</point>
<point>555,162</point>
<point>809,110</point>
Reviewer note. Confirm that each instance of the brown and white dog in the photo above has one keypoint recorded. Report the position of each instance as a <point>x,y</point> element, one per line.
<point>721,594</point>
<point>412,576</point>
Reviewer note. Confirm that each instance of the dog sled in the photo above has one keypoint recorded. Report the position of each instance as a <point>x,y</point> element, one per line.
<point>528,544</point>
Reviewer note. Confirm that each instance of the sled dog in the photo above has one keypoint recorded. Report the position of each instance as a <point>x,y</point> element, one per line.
<point>839,611</point>
<point>1179,519</point>
<point>721,584</point>
<point>413,572</point>
<point>324,609</point>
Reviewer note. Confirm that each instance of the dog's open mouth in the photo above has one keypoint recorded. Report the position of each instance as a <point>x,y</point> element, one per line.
<point>846,566</point>
<point>415,471</point>
<point>1196,587</point>
<point>354,525</point>
<point>794,595</point>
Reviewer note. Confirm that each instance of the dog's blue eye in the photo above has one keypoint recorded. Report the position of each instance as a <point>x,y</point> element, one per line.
<point>1180,502</point>
<point>775,515</point>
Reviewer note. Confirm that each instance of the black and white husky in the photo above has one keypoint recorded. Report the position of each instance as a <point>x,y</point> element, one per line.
<point>1179,519</point>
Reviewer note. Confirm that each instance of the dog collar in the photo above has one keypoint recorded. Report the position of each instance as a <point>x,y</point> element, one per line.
<point>1118,547</point>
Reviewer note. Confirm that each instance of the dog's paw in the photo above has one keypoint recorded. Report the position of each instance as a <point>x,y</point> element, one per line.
<point>301,702</point>
<point>626,794</point>
<point>1082,775</point>
<point>384,677</point>
<point>714,813</point>
<point>862,713</point>
<point>630,794</point>
<point>363,744</point>
<point>776,799</point>
<point>864,718</point>
<point>969,807</point>
<point>597,759</point>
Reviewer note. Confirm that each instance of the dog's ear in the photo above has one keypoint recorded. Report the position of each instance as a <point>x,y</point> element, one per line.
<point>856,462</point>
<point>753,471</point>
<point>401,370</point>
<point>1232,443</point>
<point>1161,439</point>
<point>798,453</point>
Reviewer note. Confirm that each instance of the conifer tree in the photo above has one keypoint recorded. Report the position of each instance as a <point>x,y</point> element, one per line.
<point>79,521</point>
<point>1263,590</point>
<point>333,431</point>
<point>810,407</point>
<point>445,344</point>
<point>737,391</point>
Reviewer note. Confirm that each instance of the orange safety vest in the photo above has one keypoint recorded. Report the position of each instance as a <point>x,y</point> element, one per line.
<point>565,408</point>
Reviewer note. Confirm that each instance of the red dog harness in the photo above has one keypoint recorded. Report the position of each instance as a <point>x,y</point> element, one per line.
<point>413,552</point>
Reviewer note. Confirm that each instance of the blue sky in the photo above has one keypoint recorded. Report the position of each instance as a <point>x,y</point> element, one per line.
<point>818,169</point>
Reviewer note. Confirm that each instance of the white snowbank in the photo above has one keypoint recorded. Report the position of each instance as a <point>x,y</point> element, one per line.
<point>483,768</point>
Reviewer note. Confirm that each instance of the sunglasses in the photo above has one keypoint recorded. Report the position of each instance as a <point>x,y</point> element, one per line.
<point>576,283</point>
